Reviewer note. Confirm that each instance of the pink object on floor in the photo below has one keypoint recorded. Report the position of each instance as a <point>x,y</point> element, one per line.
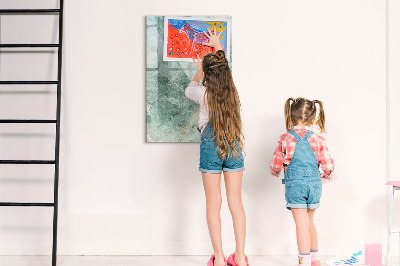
<point>326,181</point>
<point>393,183</point>
<point>231,260</point>
<point>211,260</point>
<point>373,254</point>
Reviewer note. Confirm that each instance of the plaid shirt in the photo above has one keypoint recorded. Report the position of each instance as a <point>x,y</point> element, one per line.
<point>287,144</point>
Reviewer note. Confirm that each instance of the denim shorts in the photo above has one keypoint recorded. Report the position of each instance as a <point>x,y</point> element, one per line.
<point>303,193</point>
<point>211,161</point>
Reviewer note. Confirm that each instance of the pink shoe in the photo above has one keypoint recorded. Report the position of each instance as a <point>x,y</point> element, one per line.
<point>231,260</point>
<point>316,263</point>
<point>211,261</point>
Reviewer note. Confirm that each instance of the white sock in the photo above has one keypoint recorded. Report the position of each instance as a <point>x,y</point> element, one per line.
<point>314,255</point>
<point>305,260</point>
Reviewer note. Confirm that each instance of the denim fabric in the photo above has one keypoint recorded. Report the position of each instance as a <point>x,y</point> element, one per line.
<point>303,187</point>
<point>210,160</point>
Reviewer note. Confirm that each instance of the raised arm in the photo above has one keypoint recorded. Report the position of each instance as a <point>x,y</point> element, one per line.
<point>199,73</point>
<point>194,91</point>
<point>213,39</point>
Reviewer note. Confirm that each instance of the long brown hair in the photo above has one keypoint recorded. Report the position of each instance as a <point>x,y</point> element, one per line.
<point>223,104</point>
<point>303,110</point>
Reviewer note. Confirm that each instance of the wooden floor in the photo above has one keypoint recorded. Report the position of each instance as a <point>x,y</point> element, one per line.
<point>135,260</point>
<point>145,260</point>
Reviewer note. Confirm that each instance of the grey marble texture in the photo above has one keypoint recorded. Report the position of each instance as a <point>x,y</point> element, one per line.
<point>171,117</point>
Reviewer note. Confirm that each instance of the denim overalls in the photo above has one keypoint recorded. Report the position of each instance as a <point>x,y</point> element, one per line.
<point>302,181</point>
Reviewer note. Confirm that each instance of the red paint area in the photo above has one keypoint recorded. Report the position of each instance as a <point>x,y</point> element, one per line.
<point>181,46</point>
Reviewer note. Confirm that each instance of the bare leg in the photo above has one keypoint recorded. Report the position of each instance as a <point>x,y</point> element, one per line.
<point>233,183</point>
<point>302,221</point>
<point>212,188</point>
<point>313,230</point>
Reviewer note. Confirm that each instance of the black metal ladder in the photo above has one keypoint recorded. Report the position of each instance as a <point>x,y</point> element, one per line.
<point>57,82</point>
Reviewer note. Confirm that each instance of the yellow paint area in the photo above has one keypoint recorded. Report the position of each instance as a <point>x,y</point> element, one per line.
<point>216,25</point>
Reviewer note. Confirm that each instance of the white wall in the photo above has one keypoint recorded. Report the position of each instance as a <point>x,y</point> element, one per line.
<point>394,110</point>
<point>121,195</point>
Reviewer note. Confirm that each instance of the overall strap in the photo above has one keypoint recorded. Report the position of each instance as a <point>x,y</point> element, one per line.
<point>294,133</point>
<point>303,164</point>
<point>308,134</point>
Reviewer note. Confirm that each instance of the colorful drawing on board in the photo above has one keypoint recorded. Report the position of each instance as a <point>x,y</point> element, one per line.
<point>183,37</point>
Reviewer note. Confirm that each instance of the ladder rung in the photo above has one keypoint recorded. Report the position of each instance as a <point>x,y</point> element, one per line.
<point>26,121</point>
<point>33,45</point>
<point>27,161</point>
<point>28,11</point>
<point>29,204</point>
<point>395,231</point>
<point>29,82</point>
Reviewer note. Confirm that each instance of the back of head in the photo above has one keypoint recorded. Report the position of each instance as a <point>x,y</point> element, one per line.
<point>223,103</point>
<point>304,111</point>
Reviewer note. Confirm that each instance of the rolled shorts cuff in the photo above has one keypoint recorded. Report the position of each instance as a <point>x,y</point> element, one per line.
<point>210,171</point>
<point>313,206</point>
<point>301,206</point>
<point>233,170</point>
<point>289,206</point>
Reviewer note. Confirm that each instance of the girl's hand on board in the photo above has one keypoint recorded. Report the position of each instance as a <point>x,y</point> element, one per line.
<point>199,66</point>
<point>213,39</point>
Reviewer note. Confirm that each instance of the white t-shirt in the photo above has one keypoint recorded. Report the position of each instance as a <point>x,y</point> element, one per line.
<point>196,93</point>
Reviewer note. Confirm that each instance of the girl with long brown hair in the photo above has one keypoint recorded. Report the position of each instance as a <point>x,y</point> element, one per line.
<point>301,153</point>
<point>221,147</point>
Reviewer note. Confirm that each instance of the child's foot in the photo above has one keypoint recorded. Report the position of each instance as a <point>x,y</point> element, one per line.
<point>315,258</point>
<point>304,260</point>
<point>215,261</point>
<point>238,260</point>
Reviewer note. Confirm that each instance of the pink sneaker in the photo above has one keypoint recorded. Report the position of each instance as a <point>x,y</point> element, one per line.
<point>316,263</point>
<point>211,261</point>
<point>231,260</point>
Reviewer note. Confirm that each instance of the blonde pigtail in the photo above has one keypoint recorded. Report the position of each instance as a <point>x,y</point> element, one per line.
<point>288,114</point>
<point>321,116</point>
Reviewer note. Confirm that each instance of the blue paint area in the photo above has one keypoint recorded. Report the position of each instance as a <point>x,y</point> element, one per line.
<point>198,27</point>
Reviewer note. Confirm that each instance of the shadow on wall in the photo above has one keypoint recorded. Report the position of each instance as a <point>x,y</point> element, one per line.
<point>263,193</point>
<point>185,186</point>
<point>375,218</point>
<point>375,213</point>
<point>28,229</point>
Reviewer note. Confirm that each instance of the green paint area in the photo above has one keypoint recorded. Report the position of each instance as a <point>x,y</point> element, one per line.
<point>171,117</point>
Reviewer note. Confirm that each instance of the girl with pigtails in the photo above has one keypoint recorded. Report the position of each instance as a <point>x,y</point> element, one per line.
<point>302,154</point>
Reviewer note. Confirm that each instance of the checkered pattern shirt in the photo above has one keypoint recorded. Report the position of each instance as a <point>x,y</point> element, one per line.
<point>287,144</point>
